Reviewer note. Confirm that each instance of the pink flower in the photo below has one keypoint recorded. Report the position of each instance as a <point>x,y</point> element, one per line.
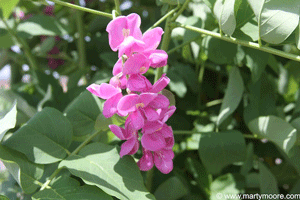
<point>109,92</point>
<point>138,83</point>
<point>136,64</point>
<point>156,136</point>
<point>124,32</point>
<point>162,160</point>
<point>135,104</point>
<point>129,134</point>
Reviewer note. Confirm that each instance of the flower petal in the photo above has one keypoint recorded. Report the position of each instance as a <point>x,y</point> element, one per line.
<point>160,84</point>
<point>127,147</point>
<point>118,131</point>
<point>137,120</point>
<point>138,83</point>
<point>133,24</point>
<point>146,98</point>
<point>118,67</point>
<point>152,126</point>
<point>128,103</point>
<point>136,64</point>
<point>163,161</point>
<point>153,142</point>
<point>130,45</point>
<point>146,162</point>
<point>110,106</point>
<point>160,102</point>
<point>152,38</point>
<point>94,89</point>
<point>150,114</point>
<point>115,32</point>
<point>158,58</point>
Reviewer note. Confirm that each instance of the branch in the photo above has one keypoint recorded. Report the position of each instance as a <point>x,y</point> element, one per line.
<point>241,42</point>
<point>104,14</point>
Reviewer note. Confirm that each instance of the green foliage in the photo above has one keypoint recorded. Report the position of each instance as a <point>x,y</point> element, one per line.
<point>229,147</point>
<point>100,164</point>
<point>8,121</point>
<point>234,75</point>
<point>45,138</point>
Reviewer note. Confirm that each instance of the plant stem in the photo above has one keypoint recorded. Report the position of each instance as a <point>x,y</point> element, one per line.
<point>72,154</point>
<point>117,3</point>
<point>183,44</point>
<point>96,12</point>
<point>81,41</point>
<point>187,132</point>
<point>170,13</point>
<point>85,142</point>
<point>164,46</point>
<point>46,184</point>
<point>241,42</point>
<point>183,7</point>
<point>149,178</point>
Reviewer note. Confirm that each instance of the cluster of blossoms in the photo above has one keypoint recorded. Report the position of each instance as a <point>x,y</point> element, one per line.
<point>146,108</point>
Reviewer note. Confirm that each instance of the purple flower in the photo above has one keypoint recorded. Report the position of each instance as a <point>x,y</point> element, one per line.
<point>129,134</point>
<point>109,92</point>
<point>161,158</point>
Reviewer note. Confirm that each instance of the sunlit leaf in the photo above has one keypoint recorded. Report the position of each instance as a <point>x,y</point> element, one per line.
<point>8,121</point>
<point>83,112</point>
<point>100,164</point>
<point>7,7</point>
<point>233,95</point>
<point>224,185</point>
<point>24,172</point>
<point>41,25</point>
<point>224,10</point>
<point>45,138</point>
<point>276,130</point>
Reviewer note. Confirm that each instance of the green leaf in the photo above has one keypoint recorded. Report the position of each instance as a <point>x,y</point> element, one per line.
<point>2,197</point>
<point>83,112</point>
<point>45,138</point>
<point>248,164</point>
<point>173,2</point>
<point>7,7</point>
<point>67,188</point>
<point>24,110</point>
<point>199,173</point>
<point>219,51</point>
<point>298,37</point>
<point>100,164</point>
<point>177,84</point>
<point>267,181</point>
<point>251,30</point>
<point>262,99</point>
<point>41,25</point>
<point>294,157</point>
<point>8,121</point>
<point>24,172</point>
<point>189,75</point>
<point>278,20</point>
<point>228,147</point>
<point>46,46</point>
<point>233,95</point>
<point>102,123</point>
<point>224,10</point>
<point>274,129</point>
<point>224,185</point>
<point>170,96</point>
<point>257,61</point>
<point>6,41</point>
<point>172,187</point>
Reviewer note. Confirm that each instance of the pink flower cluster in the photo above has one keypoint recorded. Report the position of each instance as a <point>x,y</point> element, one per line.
<point>146,108</point>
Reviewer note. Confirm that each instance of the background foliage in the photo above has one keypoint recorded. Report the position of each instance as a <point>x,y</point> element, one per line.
<point>234,69</point>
